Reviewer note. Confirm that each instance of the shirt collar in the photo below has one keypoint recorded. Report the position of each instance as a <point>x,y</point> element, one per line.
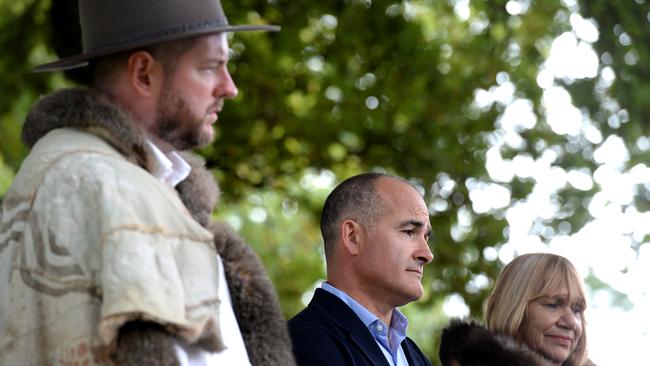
<point>169,168</point>
<point>377,328</point>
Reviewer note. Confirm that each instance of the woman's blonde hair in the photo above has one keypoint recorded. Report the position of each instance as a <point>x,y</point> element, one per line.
<point>529,277</point>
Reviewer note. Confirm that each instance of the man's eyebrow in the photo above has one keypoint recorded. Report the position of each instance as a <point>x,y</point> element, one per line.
<point>217,59</point>
<point>411,222</point>
<point>416,223</point>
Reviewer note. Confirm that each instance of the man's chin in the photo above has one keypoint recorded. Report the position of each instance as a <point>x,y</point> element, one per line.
<point>414,294</point>
<point>192,141</point>
<point>206,137</point>
<point>199,141</point>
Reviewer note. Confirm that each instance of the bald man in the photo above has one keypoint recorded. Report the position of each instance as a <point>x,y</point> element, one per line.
<point>375,228</point>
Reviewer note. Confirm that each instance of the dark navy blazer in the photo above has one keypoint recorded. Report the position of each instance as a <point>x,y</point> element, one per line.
<point>328,332</point>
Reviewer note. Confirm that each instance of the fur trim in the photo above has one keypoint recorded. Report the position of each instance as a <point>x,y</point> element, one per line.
<point>87,109</point>
<point>93,111</point>
<point>143,343</point>
<point>199,192</point>
<point>254,299</point>
<point>256,305</point>
<point>469,343</point>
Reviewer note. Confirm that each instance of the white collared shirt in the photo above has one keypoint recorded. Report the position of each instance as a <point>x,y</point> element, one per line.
<point>169,168</point>
<point>235,353</point>
<point>172,169</point>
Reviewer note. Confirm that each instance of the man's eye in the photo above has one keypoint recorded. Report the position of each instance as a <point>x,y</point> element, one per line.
<point>208,70</point>
<point>213,68</point>
<point>409,232</point>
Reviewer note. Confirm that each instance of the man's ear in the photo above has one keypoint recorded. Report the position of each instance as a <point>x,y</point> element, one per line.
<point>144,73</point>
<point>351,236</point>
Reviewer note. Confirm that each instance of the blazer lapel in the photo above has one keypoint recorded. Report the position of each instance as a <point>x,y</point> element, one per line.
<point>346,319</point>
<point>409,353</point>
<point>367,344</point>
<point>413,356</point>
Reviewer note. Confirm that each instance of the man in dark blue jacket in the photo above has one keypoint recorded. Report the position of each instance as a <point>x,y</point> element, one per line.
<point>375,228</point>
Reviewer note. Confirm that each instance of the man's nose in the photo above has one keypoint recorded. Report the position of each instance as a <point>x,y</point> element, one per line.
<point>424,255</point>
<point>227,88</point>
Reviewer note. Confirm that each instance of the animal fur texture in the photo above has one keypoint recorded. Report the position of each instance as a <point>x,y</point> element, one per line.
<point>253,296</point>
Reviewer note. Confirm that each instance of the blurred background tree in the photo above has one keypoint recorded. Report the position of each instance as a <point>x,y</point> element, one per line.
<point>444,93</point>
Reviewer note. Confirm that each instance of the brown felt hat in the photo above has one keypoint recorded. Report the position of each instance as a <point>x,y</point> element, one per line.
<point>112,26</point>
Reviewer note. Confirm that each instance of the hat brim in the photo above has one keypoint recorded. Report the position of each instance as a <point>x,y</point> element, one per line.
<point>81,60</point>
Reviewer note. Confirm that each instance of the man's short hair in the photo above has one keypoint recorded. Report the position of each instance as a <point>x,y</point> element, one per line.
<point>356,198</point>
<point>166,53</point>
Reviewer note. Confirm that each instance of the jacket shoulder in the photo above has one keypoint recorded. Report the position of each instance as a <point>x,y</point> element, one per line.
<point>317,340</point>
<point>327,332</point>
<point>313,317</point>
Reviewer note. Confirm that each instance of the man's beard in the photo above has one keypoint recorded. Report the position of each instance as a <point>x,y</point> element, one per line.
<point>177,125</point>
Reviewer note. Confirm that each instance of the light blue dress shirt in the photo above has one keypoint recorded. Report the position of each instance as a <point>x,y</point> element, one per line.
<point>392,349</point>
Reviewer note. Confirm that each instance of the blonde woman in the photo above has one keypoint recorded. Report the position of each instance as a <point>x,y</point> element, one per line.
<point>534,316</point>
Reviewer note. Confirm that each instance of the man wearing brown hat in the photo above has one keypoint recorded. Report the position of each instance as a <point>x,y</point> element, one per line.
<point>108,253</point>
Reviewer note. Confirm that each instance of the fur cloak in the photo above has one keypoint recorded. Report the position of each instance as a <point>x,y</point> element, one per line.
<point>253,296</point>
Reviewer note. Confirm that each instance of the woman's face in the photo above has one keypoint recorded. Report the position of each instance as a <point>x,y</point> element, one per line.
<point>553,325</point>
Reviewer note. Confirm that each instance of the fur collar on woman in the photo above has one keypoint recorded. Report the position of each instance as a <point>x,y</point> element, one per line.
<point>466,343</point>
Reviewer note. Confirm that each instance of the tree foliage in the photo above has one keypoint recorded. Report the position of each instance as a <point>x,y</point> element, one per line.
<point>355,85</point>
